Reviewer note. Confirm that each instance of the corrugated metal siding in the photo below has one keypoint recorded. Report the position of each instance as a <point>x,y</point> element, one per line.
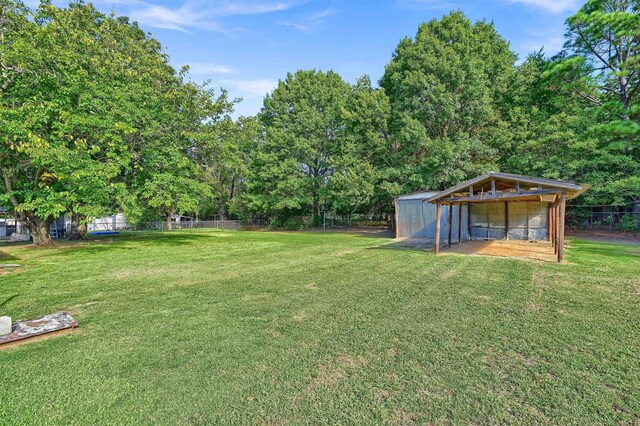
<point>417,219</point>
<point>527,221</point>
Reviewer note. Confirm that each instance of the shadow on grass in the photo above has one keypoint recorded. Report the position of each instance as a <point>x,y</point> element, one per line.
<point>6,256</point>
<point>359,232</point>
<point>119,243</point>
<point>606,250</point>
<point>9,299</point>
<point>419,245</point>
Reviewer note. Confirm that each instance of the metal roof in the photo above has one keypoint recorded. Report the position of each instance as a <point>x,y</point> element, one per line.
<point>419,195</point>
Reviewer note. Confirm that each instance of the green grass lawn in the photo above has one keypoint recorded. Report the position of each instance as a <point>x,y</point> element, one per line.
<point>194,327</point>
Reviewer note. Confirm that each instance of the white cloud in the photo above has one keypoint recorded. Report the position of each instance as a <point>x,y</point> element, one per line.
<point>207,68</point>
<point>323,14</point>
<point>550,45</point>
<point>296,25</point>
<point>554,6</point>
<point>311,22</point>
<point>250,88</point>
<point>252,93</point>
<point>426,4</point>
<point>179,19</point>
<point>203,14</point>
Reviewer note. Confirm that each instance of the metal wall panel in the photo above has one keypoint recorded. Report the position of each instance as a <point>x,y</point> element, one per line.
<point>417,219</point>
<point>527,221</point>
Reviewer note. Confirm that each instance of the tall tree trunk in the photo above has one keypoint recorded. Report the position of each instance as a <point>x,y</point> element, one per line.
<point>169,214</point>
<point>315,208</point>
<point>39,228</point>
<point>78,229</point>
<point>40,231</point>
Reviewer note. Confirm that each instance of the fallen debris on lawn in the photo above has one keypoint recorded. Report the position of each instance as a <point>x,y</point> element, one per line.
<point>27,329</point>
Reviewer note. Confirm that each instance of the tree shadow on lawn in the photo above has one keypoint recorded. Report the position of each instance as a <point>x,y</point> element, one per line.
<point>119,243</point>
<point>416,245</point>
<point>355,231</point>
<point>606,250</point>
<point>6,256</point>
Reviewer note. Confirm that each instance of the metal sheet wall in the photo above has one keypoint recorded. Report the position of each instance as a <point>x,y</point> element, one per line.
<point>417,219</point>
<point>527,221</point>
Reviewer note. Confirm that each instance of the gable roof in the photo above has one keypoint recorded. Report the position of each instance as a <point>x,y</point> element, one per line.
<point>572,189</point>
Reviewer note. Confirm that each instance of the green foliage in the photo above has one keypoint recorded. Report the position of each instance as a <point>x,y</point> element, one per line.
<point>302,141</point>
<point>630,223</point>
<point>445,88</point>
<point>93,118</point>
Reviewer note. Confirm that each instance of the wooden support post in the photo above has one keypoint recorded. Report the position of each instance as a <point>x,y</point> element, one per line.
<point>493,186</point>
<point>469,220</point>
<point>437,248</point>
<point>395,206</point>
<point>563,203</point>
<point>506,220</point>
<point>471,191</point>
<point>450,222</point>
<point>555,227</point>
<point>549,222</point>
<point>517,186</point>
<point>459,223</point>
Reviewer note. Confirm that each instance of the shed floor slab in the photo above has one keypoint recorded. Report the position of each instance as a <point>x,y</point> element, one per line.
<point>539,250</point>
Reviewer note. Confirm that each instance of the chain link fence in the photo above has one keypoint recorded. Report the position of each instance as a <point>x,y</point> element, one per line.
<point>111,226</point>
<point>603,218</point>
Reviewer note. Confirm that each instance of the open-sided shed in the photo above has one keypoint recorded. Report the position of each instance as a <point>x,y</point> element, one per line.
<point>507,206</point>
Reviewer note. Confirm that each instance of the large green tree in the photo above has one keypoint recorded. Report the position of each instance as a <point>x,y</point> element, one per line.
<point>303,136</point>
<point>575,116</point>
<point>226,162</point>
<point>445,88</point>
<point>59,149</point>
<point>94,119</point>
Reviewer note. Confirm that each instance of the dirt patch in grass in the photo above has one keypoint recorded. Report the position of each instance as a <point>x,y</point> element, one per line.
<point>536,306</point>
<point>10,271</point>
<point>39,338</point>
<point>328,375</point>
<point>332,372</point>
<point>533,250</point>
<point>401,417</point>
<point>300,316</point>
<point>311,286</point>
<point>348,361</point>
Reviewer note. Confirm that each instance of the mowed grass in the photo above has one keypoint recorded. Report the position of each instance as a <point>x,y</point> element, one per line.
<point>195,327</point>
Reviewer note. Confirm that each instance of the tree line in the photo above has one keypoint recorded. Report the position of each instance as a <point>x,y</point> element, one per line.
<point>93,120</point>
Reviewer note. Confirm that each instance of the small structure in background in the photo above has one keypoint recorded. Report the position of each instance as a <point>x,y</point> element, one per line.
<point>12,229</point>
<point>494,206</point>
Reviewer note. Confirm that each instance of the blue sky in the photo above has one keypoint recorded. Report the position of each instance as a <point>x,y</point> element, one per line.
<point>245,46</point>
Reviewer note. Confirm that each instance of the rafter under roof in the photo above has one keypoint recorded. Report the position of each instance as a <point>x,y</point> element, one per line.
<point>496,186</point>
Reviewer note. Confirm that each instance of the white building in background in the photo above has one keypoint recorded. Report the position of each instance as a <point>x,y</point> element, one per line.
<point>9,225</point>
<point>109,223</point>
